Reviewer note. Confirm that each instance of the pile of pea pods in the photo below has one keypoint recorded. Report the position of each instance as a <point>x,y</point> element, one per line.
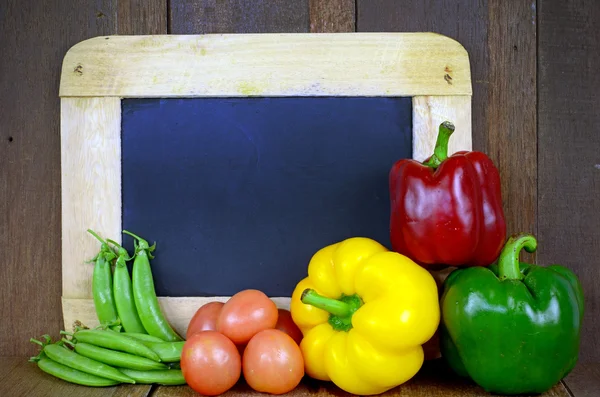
<point>134,343</point>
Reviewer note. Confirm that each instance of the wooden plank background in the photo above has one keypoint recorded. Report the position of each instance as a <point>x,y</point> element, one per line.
<point>535,102</point>
<point>569,149</point>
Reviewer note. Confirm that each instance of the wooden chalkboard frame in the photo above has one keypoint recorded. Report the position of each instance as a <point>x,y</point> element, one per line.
<point>98,73</point>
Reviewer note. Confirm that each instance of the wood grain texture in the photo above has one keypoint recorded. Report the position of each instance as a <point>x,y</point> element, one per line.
<point>429,112</point>
<point>331,16</point>
<point>33,40</point>
<point>584,381</point>
<point>465,21</point>
<point>568,142</point>
<point>26,379</point>
<point>237,16</point>
<point>142,17</point>
<point>7,365</point>
<point>511,114</point>
<point>91,186</point>
<point>350,64</point>
<point>500,39</point>
<point>433,380</point>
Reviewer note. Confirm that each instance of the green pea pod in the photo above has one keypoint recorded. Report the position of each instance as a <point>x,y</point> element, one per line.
<point>114,341</point>
<point>168,352</point>
<point>102,285</point>
<point>62,355</point>
<point>167,377</point>
<point>123,293</point>
<point>71,375</point>
<point>144,293</point>
<point>117,358</point>
<point>143,337</point>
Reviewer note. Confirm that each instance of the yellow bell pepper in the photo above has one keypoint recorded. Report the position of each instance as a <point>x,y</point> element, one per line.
<point>365,313</point>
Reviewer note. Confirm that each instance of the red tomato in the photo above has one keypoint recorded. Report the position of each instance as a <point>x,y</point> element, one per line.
<point>273,362</point>
<point>245,314</point>
<point>210,363</point>
<point>287,325</point>
<point>205,318</point>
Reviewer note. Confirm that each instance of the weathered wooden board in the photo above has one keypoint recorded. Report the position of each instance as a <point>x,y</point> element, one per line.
<point>568,146</point>
<point>434,380</point>
<point>383,64</point>
<point>19,377</point>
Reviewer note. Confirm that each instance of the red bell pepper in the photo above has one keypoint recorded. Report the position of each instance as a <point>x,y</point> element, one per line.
<point>447,211</point>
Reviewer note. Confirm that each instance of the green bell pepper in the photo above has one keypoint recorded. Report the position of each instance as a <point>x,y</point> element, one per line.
<point>513,327</point>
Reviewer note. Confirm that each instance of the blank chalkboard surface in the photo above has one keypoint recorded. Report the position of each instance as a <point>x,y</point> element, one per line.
<point>241,192</point>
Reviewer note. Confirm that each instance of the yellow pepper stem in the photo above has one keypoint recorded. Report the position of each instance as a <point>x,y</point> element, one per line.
<point>333,306</point>
<point>340,310</point>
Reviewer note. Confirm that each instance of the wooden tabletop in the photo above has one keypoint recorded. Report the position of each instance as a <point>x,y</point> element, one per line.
<point>18,377</point>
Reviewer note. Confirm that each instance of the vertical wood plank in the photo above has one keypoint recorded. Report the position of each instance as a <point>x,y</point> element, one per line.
<point>34,38</point>
<point>332,16</point>
<point>91,133</point>
<point>500,38</point>
<point>429,112</point>
<point>511,116</point>
<point>569,144</point>
<point>238,16</point>
<point>140,17</point>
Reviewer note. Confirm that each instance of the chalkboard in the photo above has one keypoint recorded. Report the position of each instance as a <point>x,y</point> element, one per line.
<point>241,192</point>
<point>241,155</point>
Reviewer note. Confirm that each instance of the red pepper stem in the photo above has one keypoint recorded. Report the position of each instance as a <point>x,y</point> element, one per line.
<point>333,306</point>
<point>508,262</point>
<point>440,152</point>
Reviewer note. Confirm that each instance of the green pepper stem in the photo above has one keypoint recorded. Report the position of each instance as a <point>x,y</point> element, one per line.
<point>333,306</point>
<point>508,262</point>
<point>440,152</point>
